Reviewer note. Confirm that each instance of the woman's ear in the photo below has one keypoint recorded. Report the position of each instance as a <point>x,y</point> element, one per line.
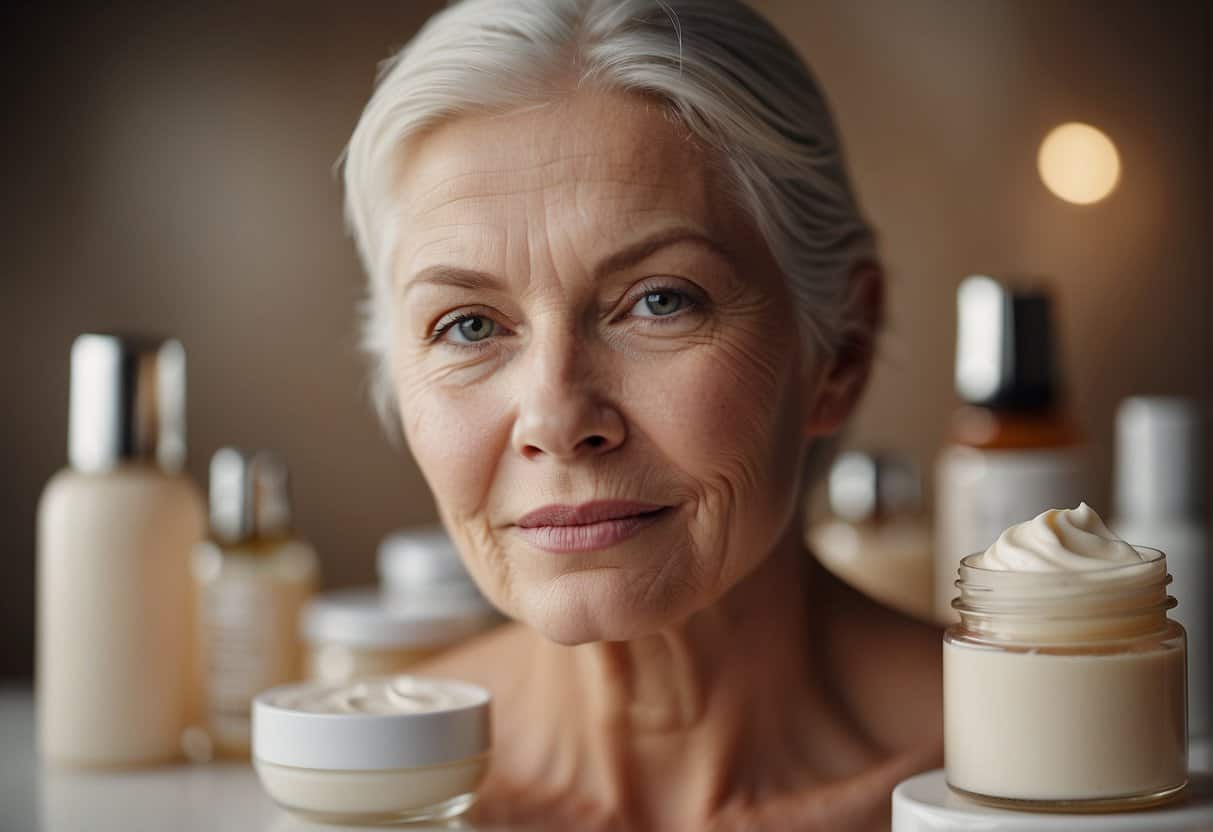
<point>846,376</point>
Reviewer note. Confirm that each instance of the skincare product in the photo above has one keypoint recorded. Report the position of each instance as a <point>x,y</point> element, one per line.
<point>422,564</point>
<point>1064,679</point>
<point>426,603</point>
<point>355,633</point>
<point>877,539</point>
<point>1012,452</point>
<point>115,531</point>
<point>381,750</point>
<point>1160,502</point>
<point>253,576</point>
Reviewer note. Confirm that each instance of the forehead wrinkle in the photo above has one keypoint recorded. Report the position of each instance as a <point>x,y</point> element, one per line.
<point>625,187</point>
<point>595,187</point>
<point>452,180</point>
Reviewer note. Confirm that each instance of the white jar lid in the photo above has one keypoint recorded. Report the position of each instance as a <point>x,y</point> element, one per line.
<point>389,722</point>
<point>423,562</point>
<point>366,618</point>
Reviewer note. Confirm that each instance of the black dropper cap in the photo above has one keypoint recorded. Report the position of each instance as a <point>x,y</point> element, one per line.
<point>1005,356</point>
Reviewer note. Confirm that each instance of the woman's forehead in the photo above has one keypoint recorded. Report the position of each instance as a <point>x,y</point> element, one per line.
<point>602,158</point>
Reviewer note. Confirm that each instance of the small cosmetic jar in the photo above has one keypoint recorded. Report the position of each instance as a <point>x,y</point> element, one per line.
<point>1065,691</point>
<point>375,751</point>
<point>359,633</point>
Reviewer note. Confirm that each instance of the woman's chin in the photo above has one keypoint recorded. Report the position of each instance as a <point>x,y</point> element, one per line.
<point>582,608</point>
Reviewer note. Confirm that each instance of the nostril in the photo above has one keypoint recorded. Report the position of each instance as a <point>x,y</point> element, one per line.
<point>595,441</point>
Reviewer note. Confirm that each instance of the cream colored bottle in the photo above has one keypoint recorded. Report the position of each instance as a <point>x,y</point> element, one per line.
<point>253,576</point>
<point>115,532</point>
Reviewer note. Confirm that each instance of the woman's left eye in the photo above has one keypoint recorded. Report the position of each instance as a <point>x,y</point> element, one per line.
<point>660,303</point>
<point>465,329</point>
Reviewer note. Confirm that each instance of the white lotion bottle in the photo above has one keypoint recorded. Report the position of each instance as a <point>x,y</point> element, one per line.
<point>1160,502</point>
<point>115,532</point>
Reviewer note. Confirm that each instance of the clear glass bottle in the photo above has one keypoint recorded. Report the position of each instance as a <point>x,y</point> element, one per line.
<point>254,576</point>
<point>877,538</point>
<point>1066,691</point>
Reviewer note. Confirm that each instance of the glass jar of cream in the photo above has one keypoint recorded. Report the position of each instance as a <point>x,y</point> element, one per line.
<point>1064,680</point>
<point>384,750</point>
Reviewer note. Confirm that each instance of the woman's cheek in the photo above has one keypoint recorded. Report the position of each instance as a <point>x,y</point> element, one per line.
<point>716,402</point>
<point>450,432</point>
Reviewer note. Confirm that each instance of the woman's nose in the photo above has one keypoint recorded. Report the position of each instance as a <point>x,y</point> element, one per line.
<point>561,415</point>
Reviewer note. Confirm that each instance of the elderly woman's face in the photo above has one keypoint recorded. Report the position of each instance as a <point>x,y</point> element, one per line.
<point>597,364</point>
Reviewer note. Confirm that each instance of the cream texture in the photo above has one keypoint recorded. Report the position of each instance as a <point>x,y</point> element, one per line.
<point>1058,540</point>
<point>1039,726</point>
<point>397,695</point>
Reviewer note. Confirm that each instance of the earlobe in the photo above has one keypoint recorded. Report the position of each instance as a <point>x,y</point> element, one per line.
<point>841,386</point>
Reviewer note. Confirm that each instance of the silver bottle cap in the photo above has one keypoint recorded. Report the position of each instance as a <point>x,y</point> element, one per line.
<point>1160,459</point>
<point>249,495</point>
<point>127,402</point>
<point>865,486</point>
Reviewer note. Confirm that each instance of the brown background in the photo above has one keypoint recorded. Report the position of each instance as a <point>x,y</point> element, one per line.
<point>169,168</point>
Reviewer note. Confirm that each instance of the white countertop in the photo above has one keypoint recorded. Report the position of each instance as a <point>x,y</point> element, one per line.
<point>213,797</point>
<point>218,797</point>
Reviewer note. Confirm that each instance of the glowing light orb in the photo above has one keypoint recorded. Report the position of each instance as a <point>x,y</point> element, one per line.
<point>1078,163</point>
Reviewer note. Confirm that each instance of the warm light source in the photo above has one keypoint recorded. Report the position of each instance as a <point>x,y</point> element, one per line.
<point>1078,163</point>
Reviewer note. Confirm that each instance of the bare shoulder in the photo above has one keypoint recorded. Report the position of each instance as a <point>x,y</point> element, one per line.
<point>887,667</point>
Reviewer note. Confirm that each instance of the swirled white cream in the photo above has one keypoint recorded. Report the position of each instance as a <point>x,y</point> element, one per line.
<point>1058,540</point>
<point>396,695</point>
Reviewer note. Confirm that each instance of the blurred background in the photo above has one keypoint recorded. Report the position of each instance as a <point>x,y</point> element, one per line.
<point>170,169</point>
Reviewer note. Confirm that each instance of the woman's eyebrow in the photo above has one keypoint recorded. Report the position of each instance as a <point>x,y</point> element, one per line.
<point>463,278</point>
<point>456,276</point>
<point>634,253</point>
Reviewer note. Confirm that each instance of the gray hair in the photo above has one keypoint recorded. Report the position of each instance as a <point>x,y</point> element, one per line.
<point>719,69</point>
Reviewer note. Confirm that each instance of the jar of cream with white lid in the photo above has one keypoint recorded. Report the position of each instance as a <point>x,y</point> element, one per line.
<point>1064,681</point>
<point>376,751</point>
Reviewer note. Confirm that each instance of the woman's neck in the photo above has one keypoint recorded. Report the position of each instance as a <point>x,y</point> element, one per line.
<point>729,705</point>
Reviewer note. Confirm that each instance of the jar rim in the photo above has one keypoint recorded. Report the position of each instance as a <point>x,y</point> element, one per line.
<point>1116,600</point>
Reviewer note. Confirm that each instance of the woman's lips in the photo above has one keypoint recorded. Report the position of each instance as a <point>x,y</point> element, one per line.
<point>587,527</point>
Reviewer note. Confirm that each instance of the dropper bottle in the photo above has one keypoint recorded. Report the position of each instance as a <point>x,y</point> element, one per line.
<point>254,575</point>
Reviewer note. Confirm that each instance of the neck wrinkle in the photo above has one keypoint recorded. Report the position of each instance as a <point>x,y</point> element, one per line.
<point>705,707</point>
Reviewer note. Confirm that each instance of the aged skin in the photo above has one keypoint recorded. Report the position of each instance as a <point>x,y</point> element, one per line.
<point>582,314</point>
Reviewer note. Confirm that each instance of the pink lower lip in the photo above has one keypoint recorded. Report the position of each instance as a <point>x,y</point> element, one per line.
<point>590,536</point>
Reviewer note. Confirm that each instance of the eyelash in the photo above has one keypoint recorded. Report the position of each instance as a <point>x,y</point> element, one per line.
<point>691,303</point>
<point>449,322</point>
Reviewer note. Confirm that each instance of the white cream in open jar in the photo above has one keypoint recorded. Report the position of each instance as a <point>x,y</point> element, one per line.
<point>1064,681</point>
<point>383,750</point>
